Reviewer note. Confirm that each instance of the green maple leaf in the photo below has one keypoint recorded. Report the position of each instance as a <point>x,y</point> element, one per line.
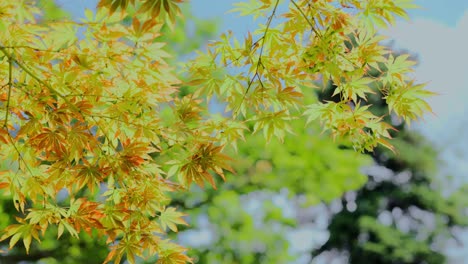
<point>171,218</point>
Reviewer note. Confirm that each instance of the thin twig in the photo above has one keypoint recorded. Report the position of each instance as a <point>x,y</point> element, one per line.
<point>240,56</point>
<point>259,62</point>
<point>19,154</point>
<point>307,19</point>
<point>10,84</point>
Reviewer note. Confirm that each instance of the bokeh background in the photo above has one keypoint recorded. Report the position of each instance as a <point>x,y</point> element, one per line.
<point>310,200</point>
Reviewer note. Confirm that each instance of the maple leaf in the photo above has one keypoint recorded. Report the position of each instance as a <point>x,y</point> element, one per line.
<point>23,230</point>
<point>51,140</point>
<point>174,258</point>
<point>134,154</point>
<point>288,95</point>
<point>115,4</point>
<point>85,215</point>
<point>407,101</point>
<point>90,175</point>
<point>207,157</point>
<point>171,218</point>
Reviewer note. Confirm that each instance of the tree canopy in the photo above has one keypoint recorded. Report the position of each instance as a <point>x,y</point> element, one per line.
<point>100,126</point>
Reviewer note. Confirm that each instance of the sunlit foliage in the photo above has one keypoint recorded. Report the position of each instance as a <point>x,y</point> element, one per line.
<point>95,134</point>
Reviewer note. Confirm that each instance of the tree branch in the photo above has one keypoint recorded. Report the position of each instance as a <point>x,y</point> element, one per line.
<point>307,19</point>
<point>259,62</point>
<point>10,84</point>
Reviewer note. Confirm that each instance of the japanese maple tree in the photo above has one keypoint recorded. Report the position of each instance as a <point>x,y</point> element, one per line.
<point>96,132</point>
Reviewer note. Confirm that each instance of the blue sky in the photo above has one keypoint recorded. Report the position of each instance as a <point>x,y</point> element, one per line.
<point>447,12</point>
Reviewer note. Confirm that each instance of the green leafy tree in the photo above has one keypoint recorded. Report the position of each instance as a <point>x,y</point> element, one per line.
<point>93,249</point>
<point>102,118</point>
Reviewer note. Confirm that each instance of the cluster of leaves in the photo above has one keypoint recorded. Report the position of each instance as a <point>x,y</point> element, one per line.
<point>82,115</point>
<point>400,185</point>
<point>94,127</point>
<point>313,40</point>
<point>400,215</point>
